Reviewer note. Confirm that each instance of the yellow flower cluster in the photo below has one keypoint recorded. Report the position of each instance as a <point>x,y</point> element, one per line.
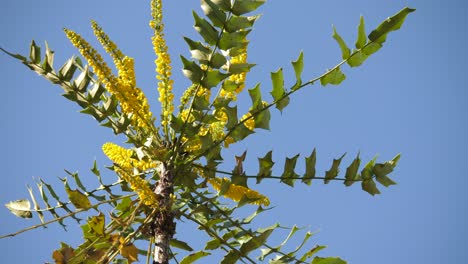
<point>238,79</point>
<point>236,192</point>
<point>250,123</point>
<point>123,157</point>
<point>140,186</point>
<point>132,100</point>
<point>163,63</point>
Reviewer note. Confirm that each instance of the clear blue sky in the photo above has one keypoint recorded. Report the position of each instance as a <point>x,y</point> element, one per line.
<point>410,97</point>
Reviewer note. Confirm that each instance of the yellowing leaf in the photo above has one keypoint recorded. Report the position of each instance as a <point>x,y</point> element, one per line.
<point>78,199</point>
<point>20,208</point>
<point>63,255</point>
<point>96,224</point>
<point>130,252</point>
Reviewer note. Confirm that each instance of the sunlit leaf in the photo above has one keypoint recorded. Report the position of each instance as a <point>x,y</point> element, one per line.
<point>289,176</point>
<point>266,164</point>
<point>78,199</point>
<point>257,241</point>
<point>212,11</point>
<point>64,254</point>
<point>224,5</point>
<point>246,6</point>
<point>130,252</point>
<point>194,257</point>
<point>191,70</point>
<point>180,244</point>
<point>357,58</point>
<point>206,30</point>
<point>382,170</point>
<point>233,40</point>
<point>310,168</point>
<point>352,172</point>
<point>96,224</point>
<point>311,252</point>
<point>20,208</point>
<point>334,77</point>
<point>298,66</point>
<point>362,38</point>
<point>240,22</point>
<point>345,52</point>
<point>370,187</point>
<point>278,91</point>
<point>334,170</point>
<point>393,23</point>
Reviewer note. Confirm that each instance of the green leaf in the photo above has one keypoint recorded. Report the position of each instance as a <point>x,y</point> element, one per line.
<point>367,172</point>
<point>361,39</point>
<point>213,78</point>
<point>81,82</point>
<point>35,53</point>
<point>206,30</point>
<point>311,252</point>
<point>352,172</point>
<point>345,52</point>
<point>289,176</point>
<point>212,244</point>
<point>240,22</point>
<point>262,119</point>
<point>393,23</point>
<point>334,77</point>
<point>329,260</point>
<point>240,132</point>
<point>48,63</point>
<point>256,97</point>
<point>224,5</point>
<point>246,6</point>
<point>371,48</point>
<point>382,170</point>
<point>231,113</point>
<point>234,40</point>
<point>257,241</point>
<point>213,12</point>
<point>278,91</point>
<point>310,168</point>
<point>298,66</point>
<point>180,244</point>
<point>96,224</point>
<point>370,187</point>
<point>20,208</point>
<point>334,170</point>
<point>191,70</point>
<point>357,58</point>
<point>266,164</point>
<point>236,68</point>
<point>231,257</point>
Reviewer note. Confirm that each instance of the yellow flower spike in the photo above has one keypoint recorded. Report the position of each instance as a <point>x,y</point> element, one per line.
<point>236,192</point>
<point>132,100</point>
<point>163,63</point>
<point>93,58</point>
<point>139,186</point>
<point>123,157</point>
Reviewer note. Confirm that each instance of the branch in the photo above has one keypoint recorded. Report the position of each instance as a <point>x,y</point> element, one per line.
<point>65,216</point>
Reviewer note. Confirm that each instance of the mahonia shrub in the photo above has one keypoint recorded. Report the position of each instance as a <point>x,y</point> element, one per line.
<point>169,169</point>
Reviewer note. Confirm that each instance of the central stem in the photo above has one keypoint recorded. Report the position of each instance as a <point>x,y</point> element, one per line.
<point>164,226</point>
